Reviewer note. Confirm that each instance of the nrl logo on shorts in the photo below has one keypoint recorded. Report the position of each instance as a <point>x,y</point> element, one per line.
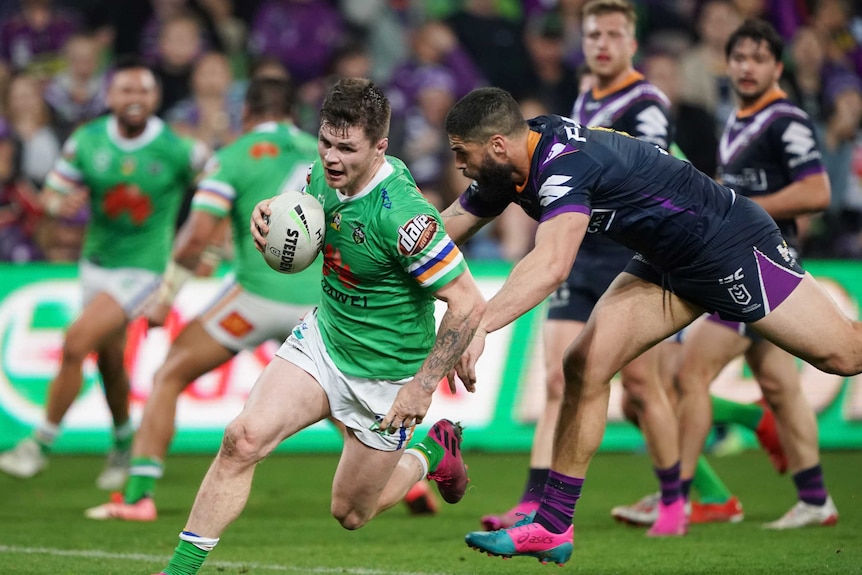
<point>416,234</point>
<point>740,294</point>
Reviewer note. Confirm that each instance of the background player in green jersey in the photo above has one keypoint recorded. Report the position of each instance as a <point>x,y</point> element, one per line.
<point>132,171</point>
<point>253,305</point>
<point>368,356</point>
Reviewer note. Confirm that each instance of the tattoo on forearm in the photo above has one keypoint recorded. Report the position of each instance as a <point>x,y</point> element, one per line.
<point>455,333</point>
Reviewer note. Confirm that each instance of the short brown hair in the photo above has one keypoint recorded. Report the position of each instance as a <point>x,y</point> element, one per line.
<point>357,102</point>
<point>602,7</point>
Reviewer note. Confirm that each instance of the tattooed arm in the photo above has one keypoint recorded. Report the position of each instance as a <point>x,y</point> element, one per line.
<point>460,224</point>
<point>465,306</point>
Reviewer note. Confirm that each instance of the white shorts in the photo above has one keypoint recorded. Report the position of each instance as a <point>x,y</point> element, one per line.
<point>240,320</point>
<point>130,287</point>
<point>356,402</point>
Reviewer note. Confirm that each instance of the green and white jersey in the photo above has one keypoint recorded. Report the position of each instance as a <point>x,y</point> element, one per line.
<point>271,159</point>
<point>136,187</point>
<point>385,254</point>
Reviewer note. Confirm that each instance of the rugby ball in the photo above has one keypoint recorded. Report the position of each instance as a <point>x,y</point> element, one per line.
<point>295,237</point>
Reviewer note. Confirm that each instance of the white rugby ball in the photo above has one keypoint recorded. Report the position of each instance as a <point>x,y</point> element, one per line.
<point>295,237</point>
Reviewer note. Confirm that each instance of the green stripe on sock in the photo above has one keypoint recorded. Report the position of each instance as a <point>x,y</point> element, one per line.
<point>747,414</point>
<point>708,484</point>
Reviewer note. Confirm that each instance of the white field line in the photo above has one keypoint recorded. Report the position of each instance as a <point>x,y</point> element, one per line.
<point>144,558</point>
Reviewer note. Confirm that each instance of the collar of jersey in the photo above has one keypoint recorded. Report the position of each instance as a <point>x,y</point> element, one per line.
<point>383,172</point>
<point>270,126</point>
<point>766,99</point>
<point>154,127</point>
<point>532,143</point>
<point>627,80</point>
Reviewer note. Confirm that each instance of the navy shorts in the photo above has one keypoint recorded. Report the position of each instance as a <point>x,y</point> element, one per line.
<point>742,273</point>
<point>590,277</point>
<point>737,326</point>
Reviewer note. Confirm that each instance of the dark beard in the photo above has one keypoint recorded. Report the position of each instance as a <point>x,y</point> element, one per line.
<point>494,177</point>
<point>130,131</point>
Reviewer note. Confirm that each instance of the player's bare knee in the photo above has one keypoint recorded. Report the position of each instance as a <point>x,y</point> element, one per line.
<point>240,443</point>
<point>348,516</point>
<point>554,385</point>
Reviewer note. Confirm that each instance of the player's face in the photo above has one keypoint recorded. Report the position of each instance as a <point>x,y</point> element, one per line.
<point>476,163</point>
<point>609,45</point>
<point>349,158</point>
<point>133,97</point>
<point>752,69</point>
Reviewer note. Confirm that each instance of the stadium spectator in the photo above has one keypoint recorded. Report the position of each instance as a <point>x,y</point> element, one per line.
<point>494,43</point>
<point>831,19</point>
<point>231,31</point>
<point>179,47</point>
<point>32,40</point>
<point>213,112</point>
<point>354,364</point>
<point>19,206</point>
<point>77,94</point>
<point>303,34</point>
<point>382,28</point>
<point>163,11</point>
<point>29,118</point>
<point>551,80</point>
<point>704,68</point>
<point>693,125</point>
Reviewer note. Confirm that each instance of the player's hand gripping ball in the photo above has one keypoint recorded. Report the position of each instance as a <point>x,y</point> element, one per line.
<point>296,227</point>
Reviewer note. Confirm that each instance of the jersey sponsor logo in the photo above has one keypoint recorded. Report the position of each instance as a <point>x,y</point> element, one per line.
<point>553,189</point>
<point>751,179</point>
<point>600,220</point>
<point>416,234</point>
<point>735,276</point>
<point>799,141</point>
<point>652,124</point>
<point>262,150</point>
<point>343,298</point>
<point>384,196</point>
<point>236,325</point>
<point>333,264</point>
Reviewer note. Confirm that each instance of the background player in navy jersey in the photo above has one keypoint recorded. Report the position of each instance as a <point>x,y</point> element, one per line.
<point>621,99</point>
<point>691,234</point>
<point>767,152</point>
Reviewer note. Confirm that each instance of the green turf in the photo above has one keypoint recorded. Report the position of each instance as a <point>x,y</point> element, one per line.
<point>286,527</point>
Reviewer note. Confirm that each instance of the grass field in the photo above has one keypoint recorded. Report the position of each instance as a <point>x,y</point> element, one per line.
<point>286,527</point>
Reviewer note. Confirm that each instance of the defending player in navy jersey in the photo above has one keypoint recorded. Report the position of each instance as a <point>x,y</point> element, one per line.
<point>768,152</point>
<point>621,99</point>
<point>701,248</point>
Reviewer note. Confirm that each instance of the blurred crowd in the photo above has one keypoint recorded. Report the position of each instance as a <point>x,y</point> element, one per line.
<point>55,55</point>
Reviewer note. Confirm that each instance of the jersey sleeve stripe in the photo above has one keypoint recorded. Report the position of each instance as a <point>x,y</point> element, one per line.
<point>61,182</point>
<point>211,201</point>
<point>568,208</point>
<point>447,260</point>
<point>218,188</point>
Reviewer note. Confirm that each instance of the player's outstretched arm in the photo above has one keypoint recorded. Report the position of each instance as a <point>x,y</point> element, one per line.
<point>465,306</point>
<point>460,224</point>
<point>259,227</point>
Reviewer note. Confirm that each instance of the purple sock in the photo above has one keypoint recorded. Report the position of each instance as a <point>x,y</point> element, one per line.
<point>671,487</point>
<point>558,502</point>
<point>685,488</point>
<point>810,487</point>
<point>535,484</point>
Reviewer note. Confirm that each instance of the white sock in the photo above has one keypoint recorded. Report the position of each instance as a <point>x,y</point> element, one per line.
<point>202,543</point>
<point>423,461</point>
<point>47,433</point>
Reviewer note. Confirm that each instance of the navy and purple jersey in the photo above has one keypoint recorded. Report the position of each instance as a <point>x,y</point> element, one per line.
<point>769,147</point>
<point>637,108</point>
<point>633,191</point>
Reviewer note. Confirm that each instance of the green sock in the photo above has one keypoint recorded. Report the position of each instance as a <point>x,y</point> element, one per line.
<point>123,435</point>
<point>747,414</point>
<point>143,473</point>
<point>432,451</point>
<point>708,484</point>
<point>188,557</point>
